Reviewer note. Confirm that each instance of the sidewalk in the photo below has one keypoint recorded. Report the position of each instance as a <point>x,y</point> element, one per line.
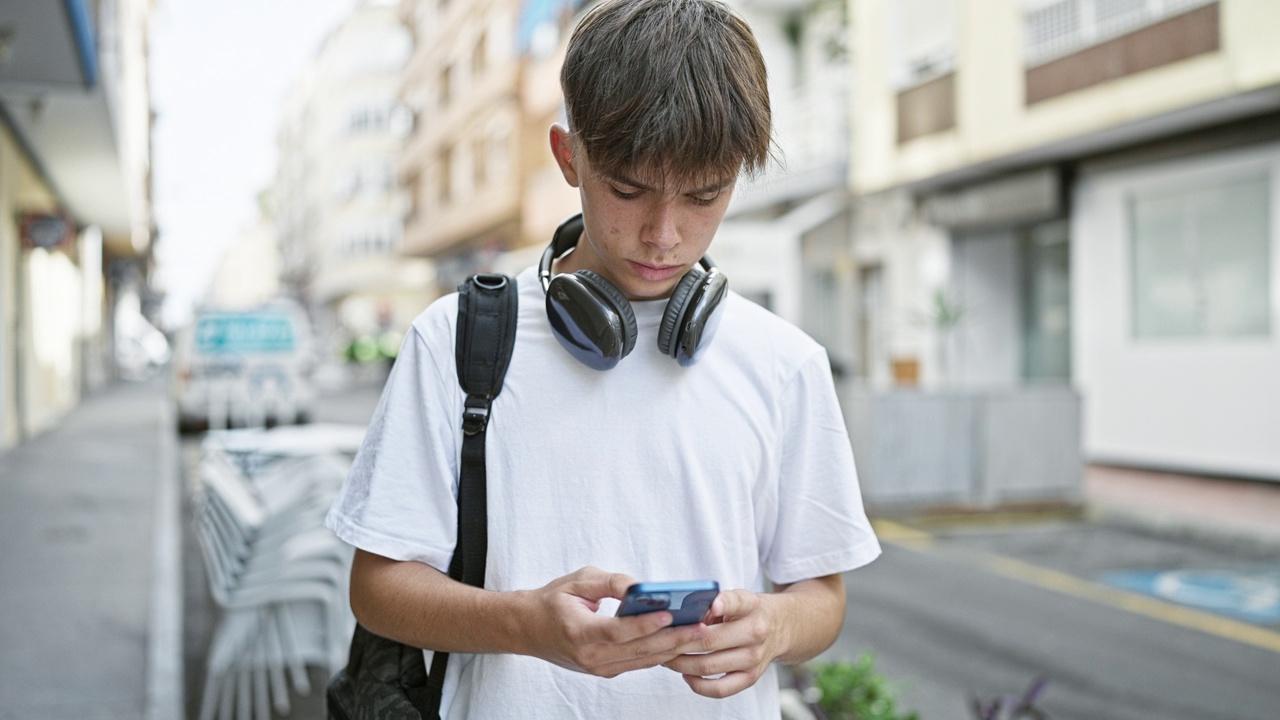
<point>88,577</point>
<point>1218,509</point>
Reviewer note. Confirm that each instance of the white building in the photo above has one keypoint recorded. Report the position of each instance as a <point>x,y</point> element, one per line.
<point>248,275</point>
<point>75,209</point>
<point>1095,184</point>
<point>784,242</point>
<point>340,210</point>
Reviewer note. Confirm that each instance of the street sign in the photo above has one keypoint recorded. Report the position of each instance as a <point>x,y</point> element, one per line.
<point>46,230</point>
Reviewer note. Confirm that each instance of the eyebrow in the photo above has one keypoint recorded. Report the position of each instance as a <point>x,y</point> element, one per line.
<point>624,180</point>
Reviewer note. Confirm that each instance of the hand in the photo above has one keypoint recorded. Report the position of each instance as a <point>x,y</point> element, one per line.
<point>743,638</point>
<point>568,632</point>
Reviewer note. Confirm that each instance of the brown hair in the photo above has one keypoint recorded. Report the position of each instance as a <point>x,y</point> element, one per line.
<point>676,88</point>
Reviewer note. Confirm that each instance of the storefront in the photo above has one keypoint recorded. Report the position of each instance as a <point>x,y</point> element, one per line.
<point>1176,295</point>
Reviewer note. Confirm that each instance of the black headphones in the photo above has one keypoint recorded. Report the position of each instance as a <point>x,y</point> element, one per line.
<point>593,320</point>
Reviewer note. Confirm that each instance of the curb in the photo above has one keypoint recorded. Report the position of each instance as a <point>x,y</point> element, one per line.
<point>1182,527</point>
<point>164,691</point>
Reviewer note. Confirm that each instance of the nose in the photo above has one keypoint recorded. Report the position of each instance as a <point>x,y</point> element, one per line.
<point>660,230</point>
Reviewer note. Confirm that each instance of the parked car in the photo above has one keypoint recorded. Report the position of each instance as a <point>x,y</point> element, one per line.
<point>247,368</point>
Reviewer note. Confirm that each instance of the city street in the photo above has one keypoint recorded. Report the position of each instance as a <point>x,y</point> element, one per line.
<point>983,609</point>
<point>981,606</point>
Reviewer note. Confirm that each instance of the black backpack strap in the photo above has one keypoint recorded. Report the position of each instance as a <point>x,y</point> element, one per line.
<point>487,309</point>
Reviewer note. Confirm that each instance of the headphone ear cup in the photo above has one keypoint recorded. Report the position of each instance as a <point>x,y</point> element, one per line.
<point>677,306</point>
<point>620,304</point>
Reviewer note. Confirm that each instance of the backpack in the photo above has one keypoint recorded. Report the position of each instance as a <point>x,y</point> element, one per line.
<point>388,680</point>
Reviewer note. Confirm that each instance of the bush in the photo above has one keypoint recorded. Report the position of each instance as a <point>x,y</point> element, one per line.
<point>845,690</point>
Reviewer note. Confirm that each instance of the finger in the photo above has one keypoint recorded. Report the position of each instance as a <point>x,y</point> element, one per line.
<point>595,584</point>
<point>634,627</point>
<point>722,687</point>
<point>716,663</point>
<point>610,659</point>
<point>731,604</point>
<point>595,629</point>
<point>642,662</point>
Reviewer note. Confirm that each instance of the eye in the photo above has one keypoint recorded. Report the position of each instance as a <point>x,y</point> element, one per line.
<point>618,192</point>
<point>705,198</point>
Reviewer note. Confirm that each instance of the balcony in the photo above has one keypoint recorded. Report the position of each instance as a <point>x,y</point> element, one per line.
<point>812,132</point>
<point>73,93</point>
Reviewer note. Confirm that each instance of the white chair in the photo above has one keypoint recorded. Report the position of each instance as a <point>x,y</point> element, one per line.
<point>280,577</point>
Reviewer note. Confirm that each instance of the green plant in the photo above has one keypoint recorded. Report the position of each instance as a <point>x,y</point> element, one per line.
<point>844,690</point>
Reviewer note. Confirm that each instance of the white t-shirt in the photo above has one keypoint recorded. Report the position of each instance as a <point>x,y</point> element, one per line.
<point>737,469</point>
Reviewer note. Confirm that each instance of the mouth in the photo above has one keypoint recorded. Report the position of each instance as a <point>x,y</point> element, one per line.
<point>654,273</point>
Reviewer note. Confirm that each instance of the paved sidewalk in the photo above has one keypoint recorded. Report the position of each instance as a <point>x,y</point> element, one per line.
<point>1217,509</point>
<point>88,603</point>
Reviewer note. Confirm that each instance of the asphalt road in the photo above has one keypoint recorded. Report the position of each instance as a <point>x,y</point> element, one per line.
<point>982,610</point>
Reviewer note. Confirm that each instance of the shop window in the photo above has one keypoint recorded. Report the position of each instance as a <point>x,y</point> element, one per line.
<point>1201,260</point>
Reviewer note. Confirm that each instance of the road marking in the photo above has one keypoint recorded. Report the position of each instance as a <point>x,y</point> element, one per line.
<point>899,534</point>
<point>1242,632</point>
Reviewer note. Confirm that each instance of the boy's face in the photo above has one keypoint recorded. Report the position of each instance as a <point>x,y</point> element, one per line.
<point>641,236</point>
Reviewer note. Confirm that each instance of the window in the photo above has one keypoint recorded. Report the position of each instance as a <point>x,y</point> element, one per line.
<point>479,160</point>
<point>1201,259</point>
<point>445,175</point>
<point>1054,28</point>
<point>369,118</point>
<point>478,57</point>
<point>370,238</point>
<point>446,82</point>
<point>923,40</point>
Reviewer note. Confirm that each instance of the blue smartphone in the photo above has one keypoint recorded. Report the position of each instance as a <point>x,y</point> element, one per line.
<point>688,602</point>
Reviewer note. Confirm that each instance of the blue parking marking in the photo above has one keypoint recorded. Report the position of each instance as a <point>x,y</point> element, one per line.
<point>1254,596</point>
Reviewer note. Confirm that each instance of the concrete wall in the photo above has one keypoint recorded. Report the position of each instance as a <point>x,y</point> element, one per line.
<point>963,448</point>
<point>1208,404</point>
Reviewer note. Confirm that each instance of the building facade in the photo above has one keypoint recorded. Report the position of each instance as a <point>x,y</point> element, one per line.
<point>1078,193</point>
<point>75,203</point>
<point>338,207</point>
<point>784,242</point>
<point>462,161</point>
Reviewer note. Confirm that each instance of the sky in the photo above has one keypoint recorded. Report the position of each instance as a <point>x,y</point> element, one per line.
<point>220,70</point>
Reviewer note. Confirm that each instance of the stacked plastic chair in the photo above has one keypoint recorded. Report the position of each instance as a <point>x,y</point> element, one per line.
<point>278,576</point>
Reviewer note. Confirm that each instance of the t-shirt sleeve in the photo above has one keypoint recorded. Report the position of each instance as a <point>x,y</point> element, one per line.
<point>822,527</point>
<point>399,500</point>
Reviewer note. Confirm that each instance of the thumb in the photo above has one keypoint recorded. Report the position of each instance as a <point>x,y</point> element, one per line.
<point>595,584</point>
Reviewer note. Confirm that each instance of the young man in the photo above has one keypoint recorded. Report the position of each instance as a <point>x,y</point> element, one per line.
<point>735,468</point>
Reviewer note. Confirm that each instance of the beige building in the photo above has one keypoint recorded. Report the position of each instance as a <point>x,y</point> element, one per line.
<point>339,209</point>
<point>1094,185</point>
<point>75,203</point>
<point>462,162</point>
<point>249,272</point>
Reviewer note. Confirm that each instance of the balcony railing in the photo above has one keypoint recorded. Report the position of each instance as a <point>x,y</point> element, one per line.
<point>1054,28</point>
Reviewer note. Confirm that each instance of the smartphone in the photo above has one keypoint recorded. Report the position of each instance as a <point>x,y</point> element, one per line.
<point>688,602</point>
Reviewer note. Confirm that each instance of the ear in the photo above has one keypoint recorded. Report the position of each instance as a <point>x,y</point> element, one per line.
<point>562,148</point>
